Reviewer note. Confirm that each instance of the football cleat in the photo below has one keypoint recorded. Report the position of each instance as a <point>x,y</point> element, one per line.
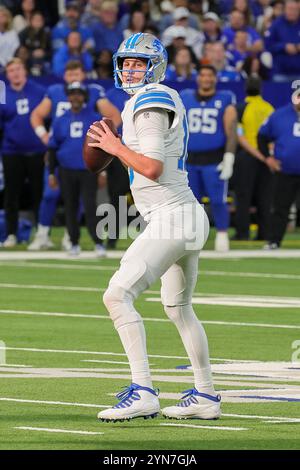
<point>10,241</point>
<point>66,244</point>
<point>195,405</point>
<point>135,402</point>
<point>74,251</point>
<point>40,242</point>
<point>100,251</point>
<point>271,246</point>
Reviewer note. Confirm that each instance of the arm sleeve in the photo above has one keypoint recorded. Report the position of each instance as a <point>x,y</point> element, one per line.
<point>151,126</point>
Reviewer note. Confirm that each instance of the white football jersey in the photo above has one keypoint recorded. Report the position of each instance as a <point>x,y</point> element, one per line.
<point>171,188</point>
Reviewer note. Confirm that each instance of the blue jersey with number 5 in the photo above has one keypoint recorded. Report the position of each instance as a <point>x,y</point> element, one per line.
<point>205,119</point>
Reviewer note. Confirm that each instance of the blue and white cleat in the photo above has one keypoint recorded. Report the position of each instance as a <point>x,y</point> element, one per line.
<point>195,405</point>
<point>135,402</point>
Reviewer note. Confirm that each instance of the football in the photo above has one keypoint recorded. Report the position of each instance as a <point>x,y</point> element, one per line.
<point>95,159</point>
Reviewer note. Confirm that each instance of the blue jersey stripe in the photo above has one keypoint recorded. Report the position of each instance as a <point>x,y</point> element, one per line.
<point>153,93</point>
<point>182,159</point>
<point>156,101</point>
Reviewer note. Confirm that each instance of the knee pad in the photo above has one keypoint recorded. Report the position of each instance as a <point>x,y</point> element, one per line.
<point>174,312</point>
<point>119,304</point>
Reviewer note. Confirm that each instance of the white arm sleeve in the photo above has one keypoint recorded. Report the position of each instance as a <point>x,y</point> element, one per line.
<point>151,126</point>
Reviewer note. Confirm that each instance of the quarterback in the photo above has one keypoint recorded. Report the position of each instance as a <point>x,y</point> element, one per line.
<point>154,148</point>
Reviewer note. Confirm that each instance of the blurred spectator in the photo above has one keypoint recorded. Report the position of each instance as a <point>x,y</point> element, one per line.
<point>243,7</point>
<point>282,129</point>
<point>22,20</point>
<point>22,151</point>
<point>142,6</point>
<point>194,37</point>
<point>211,27</point>
<point>71,22</point>
<point>9,41</point>
<point>179,40</point>
<point>137,24</point>
<point>104,65</point>
<point>73,50</point>
<point>252,178</point>
<point>261,9</point>
<point>37,39</point>
<point>283,41</point>
<point>91,13</point>
<point>107,32</point>
<point>274,12</point>
<point>237,23</point>
<point>182,68</point>
<point>238,54</point>
<point>65,149</point>
<point>215,55</point>
<point>168,20</point>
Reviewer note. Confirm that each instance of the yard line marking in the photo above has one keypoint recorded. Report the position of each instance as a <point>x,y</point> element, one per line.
<point>107,353</point>
<point>148,319</point>
<point>47,402</point>
<point>90,405</point>
<point>66,431</point>
<point>105,362</point>
<point>196,426</point>
<point>14,365</point>
<point>90,267</point>
<point>236,301</point>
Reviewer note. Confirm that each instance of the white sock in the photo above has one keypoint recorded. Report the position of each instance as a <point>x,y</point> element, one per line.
<point>133,338</point>
<point>194,340</point>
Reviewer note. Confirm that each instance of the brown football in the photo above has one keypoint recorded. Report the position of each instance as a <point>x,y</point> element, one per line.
<point>95,159</point>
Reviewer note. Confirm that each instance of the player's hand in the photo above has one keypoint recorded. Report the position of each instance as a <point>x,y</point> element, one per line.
<point>226,166</point>
<point>104,138</point>
<point>273,164</point>
<point>52,181</point>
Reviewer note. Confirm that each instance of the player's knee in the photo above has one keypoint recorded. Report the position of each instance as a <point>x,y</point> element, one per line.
<point>173,312</point>
<point>113,296</point>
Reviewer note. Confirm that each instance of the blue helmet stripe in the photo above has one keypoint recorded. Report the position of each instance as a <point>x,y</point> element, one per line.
<point>134,41</point>
<point>154,100</point>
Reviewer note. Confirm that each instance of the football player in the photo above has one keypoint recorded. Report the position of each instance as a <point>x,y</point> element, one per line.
<point>154,148</point>
<point>54,105</point>
<point>212,122</point>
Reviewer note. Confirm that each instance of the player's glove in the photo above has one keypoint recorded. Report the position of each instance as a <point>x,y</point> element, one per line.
<point>226,166</point>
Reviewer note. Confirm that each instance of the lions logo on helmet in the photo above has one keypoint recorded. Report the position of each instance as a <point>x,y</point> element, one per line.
<point>144,46</point>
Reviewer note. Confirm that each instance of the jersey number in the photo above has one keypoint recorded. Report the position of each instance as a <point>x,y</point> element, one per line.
<point>62,107</point>
<point>76,129</point>
<point>203,120</point>
<point>22,106</point>
<point>296,129</point>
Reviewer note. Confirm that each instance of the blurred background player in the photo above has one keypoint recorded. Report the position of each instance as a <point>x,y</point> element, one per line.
<point>22,151</point>
<point>65,149</point>
<point>253,180</point>
<point>54,104</point>
<point>212,120</point>
<point>283,130</point>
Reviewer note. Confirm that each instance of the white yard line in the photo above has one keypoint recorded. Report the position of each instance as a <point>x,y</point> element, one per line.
<point>91,267</point>
<point>104,362</point>
<point>151,319</point>
<point>196,426</point>
<point>47,402</point>
<point>65,431</point>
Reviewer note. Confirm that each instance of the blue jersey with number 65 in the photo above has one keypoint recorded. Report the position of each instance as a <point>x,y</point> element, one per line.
<point>205,119</point>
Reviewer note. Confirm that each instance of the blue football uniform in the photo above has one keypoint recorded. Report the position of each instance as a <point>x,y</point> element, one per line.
<point>283,128</point>
<point>60,104</point>
<point>18,134</point>
<point>206,147</point>
<point>67,137</point>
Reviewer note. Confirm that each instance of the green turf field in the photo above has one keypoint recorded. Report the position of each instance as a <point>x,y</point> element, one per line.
<point>54,324</point>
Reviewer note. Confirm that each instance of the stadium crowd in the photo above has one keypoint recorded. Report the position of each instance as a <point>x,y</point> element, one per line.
<point>239,38</point>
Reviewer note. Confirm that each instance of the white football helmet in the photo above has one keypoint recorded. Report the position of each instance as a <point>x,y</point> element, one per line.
<point>146,46</point>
